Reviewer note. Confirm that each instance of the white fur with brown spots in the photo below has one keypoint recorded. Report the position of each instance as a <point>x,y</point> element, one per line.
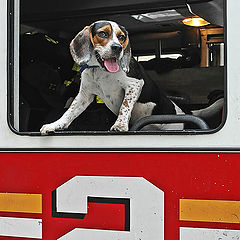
<point>106,45</point>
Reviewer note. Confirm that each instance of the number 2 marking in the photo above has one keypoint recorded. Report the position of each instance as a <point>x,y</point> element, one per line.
<point>146,211</point>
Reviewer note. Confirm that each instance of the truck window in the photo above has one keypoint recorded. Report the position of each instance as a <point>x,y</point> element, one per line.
<point>183,58</point>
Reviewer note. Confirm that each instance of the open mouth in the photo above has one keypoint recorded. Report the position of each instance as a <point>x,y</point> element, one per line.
<point>109,64</point>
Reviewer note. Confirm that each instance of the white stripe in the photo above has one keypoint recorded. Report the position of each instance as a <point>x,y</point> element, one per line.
<point>80,233</point>
<point>21,227</point>
<point>208,234</point>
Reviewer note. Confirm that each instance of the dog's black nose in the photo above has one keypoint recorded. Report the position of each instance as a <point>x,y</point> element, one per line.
<point>116,47</point>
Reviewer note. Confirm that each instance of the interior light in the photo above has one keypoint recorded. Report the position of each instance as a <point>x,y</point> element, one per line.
<point>195,22</point>
<point>159,16</point>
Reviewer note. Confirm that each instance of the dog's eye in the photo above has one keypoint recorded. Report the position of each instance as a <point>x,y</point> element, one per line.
<point>121,38</point>
<point>103,34</point>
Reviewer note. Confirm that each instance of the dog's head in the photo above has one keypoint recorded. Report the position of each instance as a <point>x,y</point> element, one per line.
<point>105,41</point>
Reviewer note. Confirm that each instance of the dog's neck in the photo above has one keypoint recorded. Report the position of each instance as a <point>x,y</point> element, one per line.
<point>86,66</point>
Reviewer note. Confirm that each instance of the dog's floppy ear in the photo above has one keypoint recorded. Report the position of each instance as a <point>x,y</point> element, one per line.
<point>125,60</point>
<point>81,47</point>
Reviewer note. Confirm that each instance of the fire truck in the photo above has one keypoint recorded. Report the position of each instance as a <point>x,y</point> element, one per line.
<point>88,182</point>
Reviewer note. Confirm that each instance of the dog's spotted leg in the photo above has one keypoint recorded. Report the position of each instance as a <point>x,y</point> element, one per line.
<point>79,104</point>
<point>133,89</point>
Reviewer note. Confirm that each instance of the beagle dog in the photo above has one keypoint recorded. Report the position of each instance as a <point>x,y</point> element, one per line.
<point>114,76</point>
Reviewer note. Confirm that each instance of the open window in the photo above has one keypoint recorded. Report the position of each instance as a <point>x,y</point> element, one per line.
<point>187,62</point>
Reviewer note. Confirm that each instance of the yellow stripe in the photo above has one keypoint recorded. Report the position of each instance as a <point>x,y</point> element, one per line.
<point>20,202</point>
<point>209,211</point>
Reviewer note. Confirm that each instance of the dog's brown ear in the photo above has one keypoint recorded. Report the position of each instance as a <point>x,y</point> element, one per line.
<point>81,47</point>
<point>125,60</point>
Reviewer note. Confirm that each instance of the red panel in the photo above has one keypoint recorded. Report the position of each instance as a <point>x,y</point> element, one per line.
<point>179,175</point>
<point>100,216</point>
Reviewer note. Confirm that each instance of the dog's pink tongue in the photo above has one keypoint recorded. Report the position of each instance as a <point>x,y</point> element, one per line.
<point>111,65</point>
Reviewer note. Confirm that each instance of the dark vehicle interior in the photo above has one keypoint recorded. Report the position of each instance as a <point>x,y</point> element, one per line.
<point>187,62</point>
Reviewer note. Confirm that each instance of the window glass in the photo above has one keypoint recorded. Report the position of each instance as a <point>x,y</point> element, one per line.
<point>186,63</point>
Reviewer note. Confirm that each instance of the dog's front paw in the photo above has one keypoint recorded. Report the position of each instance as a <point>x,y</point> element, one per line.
<point>48,128</point>
<point>119,127</point>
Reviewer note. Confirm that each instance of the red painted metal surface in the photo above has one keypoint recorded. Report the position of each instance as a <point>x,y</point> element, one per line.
<point>179,175</point>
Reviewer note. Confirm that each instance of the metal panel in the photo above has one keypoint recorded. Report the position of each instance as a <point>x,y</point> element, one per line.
<point>225,139</point>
